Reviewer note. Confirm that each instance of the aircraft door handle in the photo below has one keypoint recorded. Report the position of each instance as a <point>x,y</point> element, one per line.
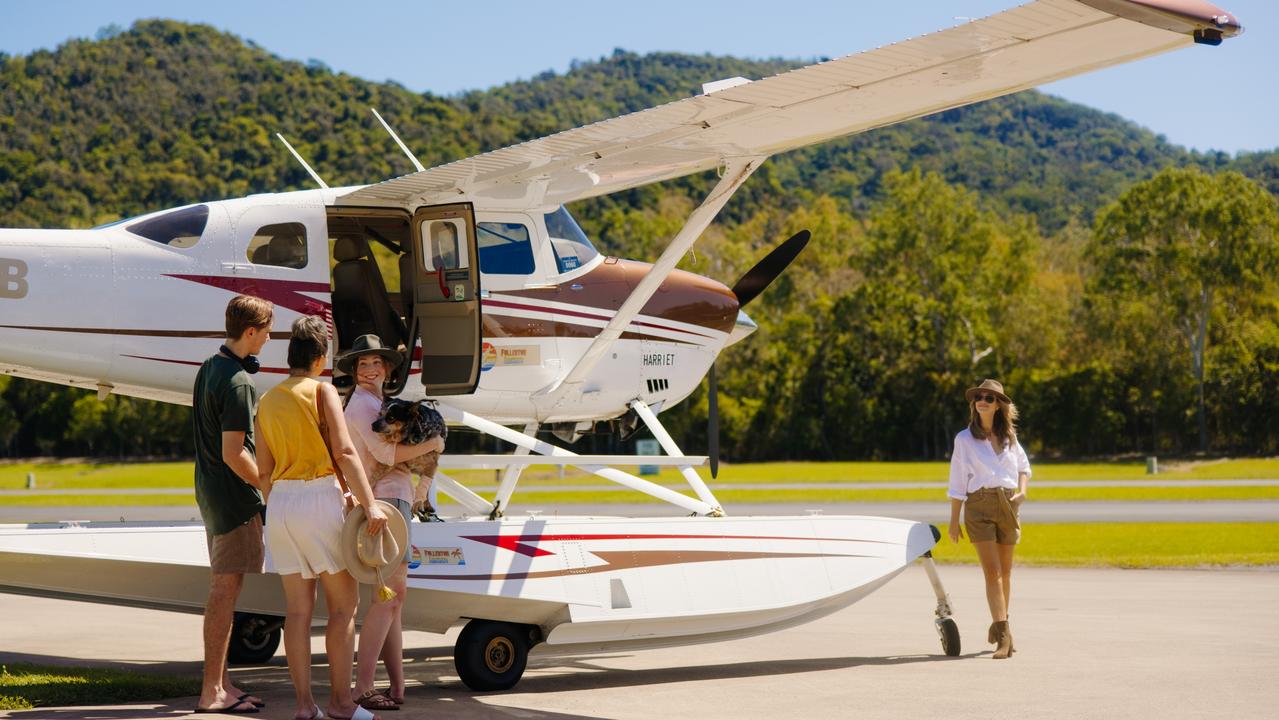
<point>237,268</point>
<point>575,286</point>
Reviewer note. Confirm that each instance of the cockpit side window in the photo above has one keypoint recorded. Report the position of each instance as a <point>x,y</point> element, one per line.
<point>505,248</point>
<point>281,245</point>
<point>178,229</point>
<point>572,248</point>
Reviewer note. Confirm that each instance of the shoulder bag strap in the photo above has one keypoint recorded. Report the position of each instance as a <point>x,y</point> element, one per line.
<point>324,435</point>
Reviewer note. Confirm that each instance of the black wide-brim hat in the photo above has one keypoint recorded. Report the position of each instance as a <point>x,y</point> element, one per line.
<point>993,386</point>
<point>367,345</point>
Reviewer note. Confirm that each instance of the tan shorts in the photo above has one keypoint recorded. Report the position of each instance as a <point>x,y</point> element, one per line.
<point>988,515</point>
<point>238,552</point>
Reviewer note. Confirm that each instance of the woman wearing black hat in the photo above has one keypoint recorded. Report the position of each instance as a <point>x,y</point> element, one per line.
<point>381,636</point>
<point>988,474</point>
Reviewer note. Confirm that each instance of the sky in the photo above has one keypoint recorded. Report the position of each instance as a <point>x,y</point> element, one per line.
<point>1223,98</point>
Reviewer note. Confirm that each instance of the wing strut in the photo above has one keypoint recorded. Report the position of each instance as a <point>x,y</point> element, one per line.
<point>736,171</point>
<point>519,439</point>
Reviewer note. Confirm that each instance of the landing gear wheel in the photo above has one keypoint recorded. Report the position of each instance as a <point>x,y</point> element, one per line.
<point>949,633</point>
<point>254,639</point>
<point>491,655</point>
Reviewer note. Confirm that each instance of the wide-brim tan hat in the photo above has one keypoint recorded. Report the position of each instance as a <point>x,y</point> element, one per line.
<point>365,555</point>
<point>987,385</point>
<point>368,345</point>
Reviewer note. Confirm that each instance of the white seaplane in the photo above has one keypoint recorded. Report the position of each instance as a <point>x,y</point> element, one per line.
<point>516,319</point>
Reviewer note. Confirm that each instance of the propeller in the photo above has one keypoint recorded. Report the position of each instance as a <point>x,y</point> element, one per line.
<point>750,285</point>
<point>747,288</point>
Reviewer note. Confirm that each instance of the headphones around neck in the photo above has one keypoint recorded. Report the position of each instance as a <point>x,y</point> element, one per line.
<point>249,363</point>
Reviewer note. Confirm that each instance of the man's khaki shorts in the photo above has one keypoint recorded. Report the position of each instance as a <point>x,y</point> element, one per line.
<point>988,515</point>
<point>238,552</point>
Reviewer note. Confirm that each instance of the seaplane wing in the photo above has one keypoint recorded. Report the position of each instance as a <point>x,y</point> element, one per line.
<point>1020,48</point>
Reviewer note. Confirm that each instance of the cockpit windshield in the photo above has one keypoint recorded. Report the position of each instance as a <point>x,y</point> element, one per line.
<point>571,246</point>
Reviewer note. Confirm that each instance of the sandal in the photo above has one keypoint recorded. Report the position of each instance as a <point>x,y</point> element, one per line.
<point>397,700</point>
<point>374,700</point>
<point>239,707</point>
<point>249,698</point>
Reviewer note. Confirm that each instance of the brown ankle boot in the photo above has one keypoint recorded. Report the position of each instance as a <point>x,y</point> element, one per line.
<point>1005,639</point>
<point>991,637</point>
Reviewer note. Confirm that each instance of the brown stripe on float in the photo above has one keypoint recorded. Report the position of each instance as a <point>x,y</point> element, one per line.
<point>629,560</point>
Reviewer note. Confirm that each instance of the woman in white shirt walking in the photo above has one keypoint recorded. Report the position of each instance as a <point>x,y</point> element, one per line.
<point>988,474</point>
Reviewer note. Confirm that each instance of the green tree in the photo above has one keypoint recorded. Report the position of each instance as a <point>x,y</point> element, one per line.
<point>943,279</point>
<point>1187,244</point>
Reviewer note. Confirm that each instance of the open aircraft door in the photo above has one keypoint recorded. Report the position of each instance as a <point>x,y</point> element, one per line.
<point>446,298</point>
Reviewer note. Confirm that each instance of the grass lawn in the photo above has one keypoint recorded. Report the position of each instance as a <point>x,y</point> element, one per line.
<point>26,686</point>
<point>98,476</point>
<point>1134,545</point>
<point>180,474</point>
<point>98,500</point>
<point>529,495</point>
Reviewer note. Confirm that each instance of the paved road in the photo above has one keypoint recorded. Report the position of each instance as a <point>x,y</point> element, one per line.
<point>1107,511</point>
<point>1091,643</point>
<point>718,487</point>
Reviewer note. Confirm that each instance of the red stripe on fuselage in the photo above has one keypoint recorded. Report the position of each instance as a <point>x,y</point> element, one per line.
<point>285,293</point>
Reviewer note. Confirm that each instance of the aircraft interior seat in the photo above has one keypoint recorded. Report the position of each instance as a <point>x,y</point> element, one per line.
<point>360,301</point>
<point>284,250</point>
<point>287,251</point>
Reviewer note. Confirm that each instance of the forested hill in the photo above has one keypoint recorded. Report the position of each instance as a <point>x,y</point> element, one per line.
<point>169,113</point>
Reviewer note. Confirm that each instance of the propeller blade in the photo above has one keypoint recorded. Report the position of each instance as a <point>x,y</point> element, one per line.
<point>712,421</point>
<point>766,271</point>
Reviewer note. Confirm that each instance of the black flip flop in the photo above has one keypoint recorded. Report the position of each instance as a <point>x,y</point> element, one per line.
<point>244,698</point>
<point>249,709</point>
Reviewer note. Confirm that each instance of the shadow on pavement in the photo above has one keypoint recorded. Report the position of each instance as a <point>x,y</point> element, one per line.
<point>560,674</point>
<point>434,690</point>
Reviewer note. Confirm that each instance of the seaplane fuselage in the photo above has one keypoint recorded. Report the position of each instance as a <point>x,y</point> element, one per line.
<point>135,307</point>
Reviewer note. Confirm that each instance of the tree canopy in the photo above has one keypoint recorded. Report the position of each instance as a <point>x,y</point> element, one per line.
<point>1017,238</point>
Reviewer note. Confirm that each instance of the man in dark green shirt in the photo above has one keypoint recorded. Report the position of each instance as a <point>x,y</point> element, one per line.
<point>226,487</point>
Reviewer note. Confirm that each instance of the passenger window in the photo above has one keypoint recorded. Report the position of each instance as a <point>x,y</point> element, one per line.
<point>281,245</point>
<point>505,248</point>
<point>445,246</point>
<point>177,229</point>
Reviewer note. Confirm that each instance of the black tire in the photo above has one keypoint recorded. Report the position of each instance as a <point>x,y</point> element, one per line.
<point>949,632</point>
<point>491,655</point>
<point>254,639</point>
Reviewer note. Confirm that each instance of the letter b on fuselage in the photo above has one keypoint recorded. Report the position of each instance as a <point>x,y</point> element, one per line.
<point>13,279</point>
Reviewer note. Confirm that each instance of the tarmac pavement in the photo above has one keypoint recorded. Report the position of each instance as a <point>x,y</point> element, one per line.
<point>1091,643</point>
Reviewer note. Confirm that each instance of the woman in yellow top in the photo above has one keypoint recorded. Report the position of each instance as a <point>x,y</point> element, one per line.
<point>305,512</point>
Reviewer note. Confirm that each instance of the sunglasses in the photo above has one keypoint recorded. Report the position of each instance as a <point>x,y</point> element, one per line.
<point>984,398</point>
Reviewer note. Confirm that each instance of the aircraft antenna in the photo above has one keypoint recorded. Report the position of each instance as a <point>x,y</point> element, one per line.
<point>398,141</point>
<point>304,165</point>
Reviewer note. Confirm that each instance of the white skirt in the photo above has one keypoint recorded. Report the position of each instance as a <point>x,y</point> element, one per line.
<point>304,527</point>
